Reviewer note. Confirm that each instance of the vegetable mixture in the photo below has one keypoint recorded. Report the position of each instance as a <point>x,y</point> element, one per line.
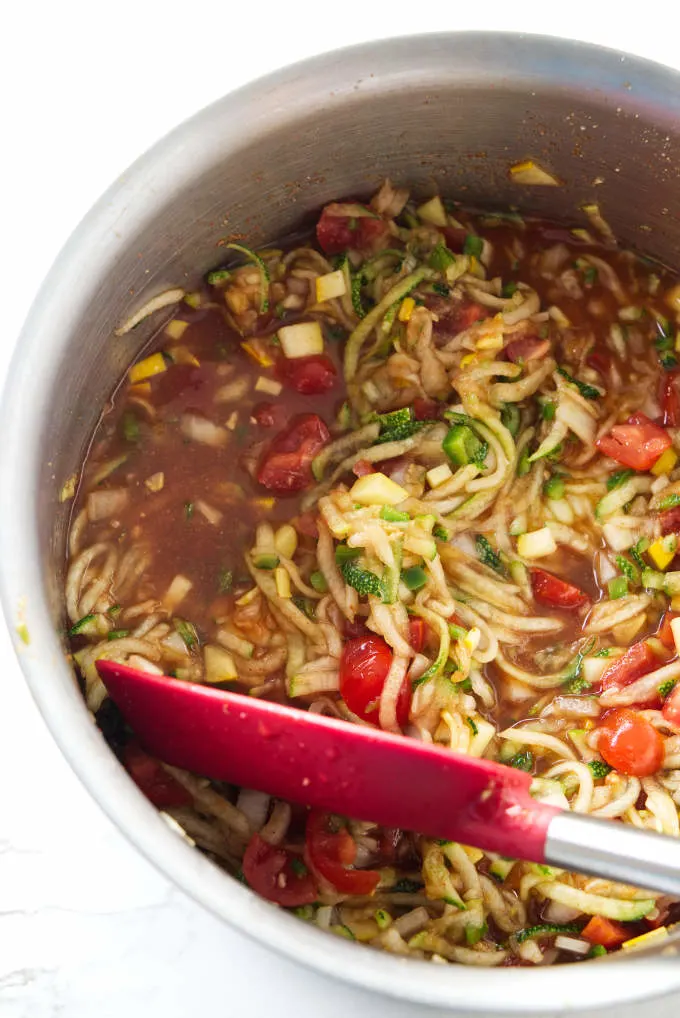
<point>420,472</point>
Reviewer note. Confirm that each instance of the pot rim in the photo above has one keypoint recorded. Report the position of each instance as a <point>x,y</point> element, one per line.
<point>54,314</point>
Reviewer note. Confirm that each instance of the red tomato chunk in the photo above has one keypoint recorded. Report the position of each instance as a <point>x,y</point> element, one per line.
<point>364,665</point>
<point>556,593</point>
<point>331,851</point>
<point>636,444</point>
<point>286,464</point>
<point>629,743</point>
<point>278,875</point>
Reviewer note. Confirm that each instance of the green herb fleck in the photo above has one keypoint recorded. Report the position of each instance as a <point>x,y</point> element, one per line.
<point>523,761</point>
<point>442,289</point>
<point>487,555</point>
<point>666,687</point>
<point>587,391</point>
<point>187,631</point>
<point>225,580</point>
<point>473,726</point>
<point>548,411</point>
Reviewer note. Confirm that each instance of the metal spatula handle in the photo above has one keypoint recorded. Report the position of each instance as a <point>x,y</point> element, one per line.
<point>619,852</point>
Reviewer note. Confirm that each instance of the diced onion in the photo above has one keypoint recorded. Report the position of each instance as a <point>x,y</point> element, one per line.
<point>219,665</point>
<point>200,429</point>
<point>572,944</point>
<point>302,340</point>
<point>536,543</point>
<point>102,505</point>
<point>176,592</point>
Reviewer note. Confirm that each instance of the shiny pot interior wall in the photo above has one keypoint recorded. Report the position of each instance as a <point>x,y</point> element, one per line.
<point>439,113</point>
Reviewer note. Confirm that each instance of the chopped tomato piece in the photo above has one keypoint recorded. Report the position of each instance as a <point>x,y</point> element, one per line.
<point>528,349</point>
<point>338,232</point>
<point>331,851</point>
<point>364,665</point>
<point>671,707</point>
<point>305,524</point>
<point>355,628</point>
<point>286,464</point>
<point>664,632</point>
<point>557,593</point>
<point>158,786</point>
<point>363,467</point>
<point>605,932</point>
<point>669,520</point>
<point>417,633</point>
<point>636,444</point>
<point>426,409</point>
<point>278,875</point>
<point>636,662</point>
<point>310,376</point>
<point>269,415</point>
<point>629,743</point>
<point>599,361</point>
<point>669,396</point>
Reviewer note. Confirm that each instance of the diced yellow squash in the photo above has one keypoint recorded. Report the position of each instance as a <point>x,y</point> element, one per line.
<point>193,299</point>
<point>675,629</point>
<point>140,389</point>
<point>282,580</point>
<point>437,475</point>
<point>219,665</point>
<point>331,285</point>
<point>468,359</point>
<point>256,352</point>
<point>536,544</point>
<point>475,855</point>
<point>301,340</point>
<point>529,172</point>
<point>268,385</point>
<point>662,551</point>
<point>406,309</point>
<point>176,328</point>
<point>433,212</point>
<point>286,540</point>
<point>150,366</point>
<point>377,489</point>
<point>665,462</point>
<point>183,355</point>
<point>248,597</point>
<point>492,341</point>
<point>266,502</point>
<point>156,481</point>
<point>646,939</point>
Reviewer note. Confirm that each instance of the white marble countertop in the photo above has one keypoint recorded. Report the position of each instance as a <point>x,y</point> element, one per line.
<point>86,925</point>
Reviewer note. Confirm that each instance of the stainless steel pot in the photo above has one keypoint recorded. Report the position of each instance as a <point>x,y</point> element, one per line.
<point>444,112</point>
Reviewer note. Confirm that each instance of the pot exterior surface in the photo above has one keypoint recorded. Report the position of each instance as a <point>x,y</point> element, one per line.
<point>447,113</point>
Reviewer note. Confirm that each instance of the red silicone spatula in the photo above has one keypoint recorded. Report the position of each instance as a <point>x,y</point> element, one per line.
<point>370,775</point>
